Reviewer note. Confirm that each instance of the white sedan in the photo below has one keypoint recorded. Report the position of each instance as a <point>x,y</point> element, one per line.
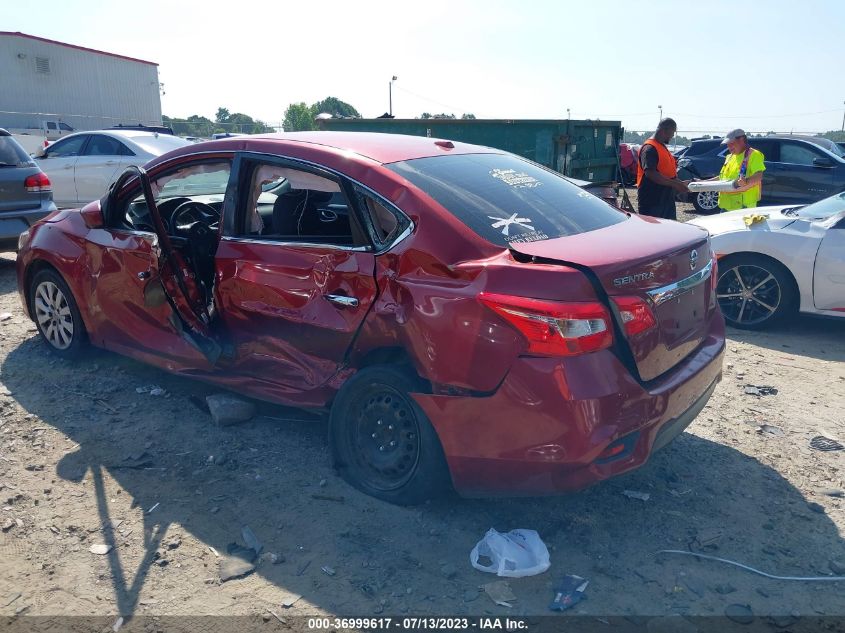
<point>791,259</point>
<point>82,166</point>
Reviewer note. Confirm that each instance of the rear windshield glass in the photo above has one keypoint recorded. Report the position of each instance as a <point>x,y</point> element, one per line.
<point>11,153</point>
<point>507,200</point>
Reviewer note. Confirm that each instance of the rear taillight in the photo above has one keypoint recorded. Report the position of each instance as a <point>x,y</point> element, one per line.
<point>636,316</point>
<point>37,183</point>
<point>554,328</point>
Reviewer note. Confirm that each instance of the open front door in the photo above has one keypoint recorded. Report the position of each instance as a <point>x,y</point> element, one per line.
<point>153,285</point>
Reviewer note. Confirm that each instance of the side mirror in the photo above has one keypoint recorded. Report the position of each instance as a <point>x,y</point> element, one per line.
<point>92,215</point>
<point>822,162</point>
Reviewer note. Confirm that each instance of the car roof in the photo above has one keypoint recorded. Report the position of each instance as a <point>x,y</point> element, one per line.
<point>379,147</point>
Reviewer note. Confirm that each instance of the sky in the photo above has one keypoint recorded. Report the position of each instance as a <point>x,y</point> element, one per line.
<point>714,66</point>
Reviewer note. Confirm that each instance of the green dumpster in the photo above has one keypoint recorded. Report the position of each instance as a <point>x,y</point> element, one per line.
<point>582,149</point>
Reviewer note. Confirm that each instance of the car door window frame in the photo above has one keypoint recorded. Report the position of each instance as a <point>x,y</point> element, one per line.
<point>121,148</point>
<point>48,154</point>
<point>785,144</point>
<point>124,190</point>
<point>235,206</point>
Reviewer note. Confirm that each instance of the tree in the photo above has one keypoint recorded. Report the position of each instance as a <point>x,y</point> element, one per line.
<point>468,116</point>
<point>425,115</point>
<point>222,115</point>
<point>335,107</point>
<point>442,115</point>
<point>298,118</point>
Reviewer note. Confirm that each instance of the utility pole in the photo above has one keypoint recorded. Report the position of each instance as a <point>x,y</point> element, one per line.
<point>661,113</point>
<point>843,119</point>
<point>390,89</point>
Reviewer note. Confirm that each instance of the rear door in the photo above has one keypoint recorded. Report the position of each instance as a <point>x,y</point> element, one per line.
<point>293,286</point>
<point>798,179</point>
<point>771,156</point>
<point>98,166</point>
<point>59,162</point>
<point>829,271</point>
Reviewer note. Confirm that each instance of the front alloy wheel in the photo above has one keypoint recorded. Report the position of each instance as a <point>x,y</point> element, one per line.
<point>52,313</point>
<point>56,314</point>
<point>753,293</point>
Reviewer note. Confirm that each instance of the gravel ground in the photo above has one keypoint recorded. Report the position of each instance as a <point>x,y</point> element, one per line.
<point>89,463</point>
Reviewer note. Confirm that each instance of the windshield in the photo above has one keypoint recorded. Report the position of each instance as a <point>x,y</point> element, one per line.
<point>507,200</point>
<point>823,209</point>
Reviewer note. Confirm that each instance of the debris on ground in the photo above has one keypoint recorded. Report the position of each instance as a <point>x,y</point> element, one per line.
<point>740,613</point>
<point>760,390</point>
<point>5,316</point>
<point>822,443</point>
<point>251,540</point>
<point>500,592</point>
<point>226,409</point>
<point>100,549</point>
<point>633,494</point>
<point>328,571</point>
<point>514,554</point>
<point>288,601</point>
<point>337,498</point>
<point>770,429</point>
<point>568,592</point>
<point>239,561</point>
<point>727,561</point>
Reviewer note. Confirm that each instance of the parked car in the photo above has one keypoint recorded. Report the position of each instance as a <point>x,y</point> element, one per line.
<point>81,166</point>
<point>25,192</point>
<point>793,260</point>
<point>466,316</point>
<point>841,145</point>
<point>799,169</point>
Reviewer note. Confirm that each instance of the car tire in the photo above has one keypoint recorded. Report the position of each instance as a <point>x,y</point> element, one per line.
<point>56,315</point>
<point>755,292</point>
<point>705,202</point>
<point>381,441</point>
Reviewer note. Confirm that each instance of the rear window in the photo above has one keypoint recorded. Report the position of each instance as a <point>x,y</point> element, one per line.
<point>11,153</point>
<point>507,200</point>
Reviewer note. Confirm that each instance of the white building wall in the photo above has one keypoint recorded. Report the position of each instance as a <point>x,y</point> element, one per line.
<point>85,89</point>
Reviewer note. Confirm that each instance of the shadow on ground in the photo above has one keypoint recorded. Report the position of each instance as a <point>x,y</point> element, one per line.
<point>704,496</point>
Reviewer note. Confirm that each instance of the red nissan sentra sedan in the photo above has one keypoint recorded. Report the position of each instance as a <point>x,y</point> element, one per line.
<point>467,316</point>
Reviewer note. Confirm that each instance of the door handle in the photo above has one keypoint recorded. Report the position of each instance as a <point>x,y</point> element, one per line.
<point>342,301</point>
<point>110,162</point>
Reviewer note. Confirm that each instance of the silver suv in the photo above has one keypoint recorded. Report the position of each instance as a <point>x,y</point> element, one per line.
<point>26,194</point>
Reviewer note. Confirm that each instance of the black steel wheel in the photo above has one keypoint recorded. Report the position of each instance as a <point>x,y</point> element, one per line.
<point>706,202</point>
<point>382,443</point>
<point>56,315</point>
<point>755,292</point>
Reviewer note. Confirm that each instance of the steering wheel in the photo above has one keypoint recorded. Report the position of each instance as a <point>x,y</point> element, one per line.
<point>187,214</point>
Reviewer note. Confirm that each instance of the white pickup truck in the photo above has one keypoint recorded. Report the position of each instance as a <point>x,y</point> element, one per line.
<point>34,138</point>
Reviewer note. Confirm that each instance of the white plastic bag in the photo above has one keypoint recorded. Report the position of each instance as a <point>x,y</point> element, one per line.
<point>515,554</point>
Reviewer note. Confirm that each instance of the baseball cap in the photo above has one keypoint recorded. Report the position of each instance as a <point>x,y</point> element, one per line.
<point>733,135</point>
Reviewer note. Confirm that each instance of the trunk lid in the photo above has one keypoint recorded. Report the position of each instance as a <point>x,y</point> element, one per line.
<point>665,263</point>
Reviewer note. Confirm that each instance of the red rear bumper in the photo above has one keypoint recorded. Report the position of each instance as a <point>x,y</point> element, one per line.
<point>552,425</point>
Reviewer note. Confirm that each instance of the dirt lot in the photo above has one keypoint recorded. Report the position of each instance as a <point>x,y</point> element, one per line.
<point>85,460</point>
